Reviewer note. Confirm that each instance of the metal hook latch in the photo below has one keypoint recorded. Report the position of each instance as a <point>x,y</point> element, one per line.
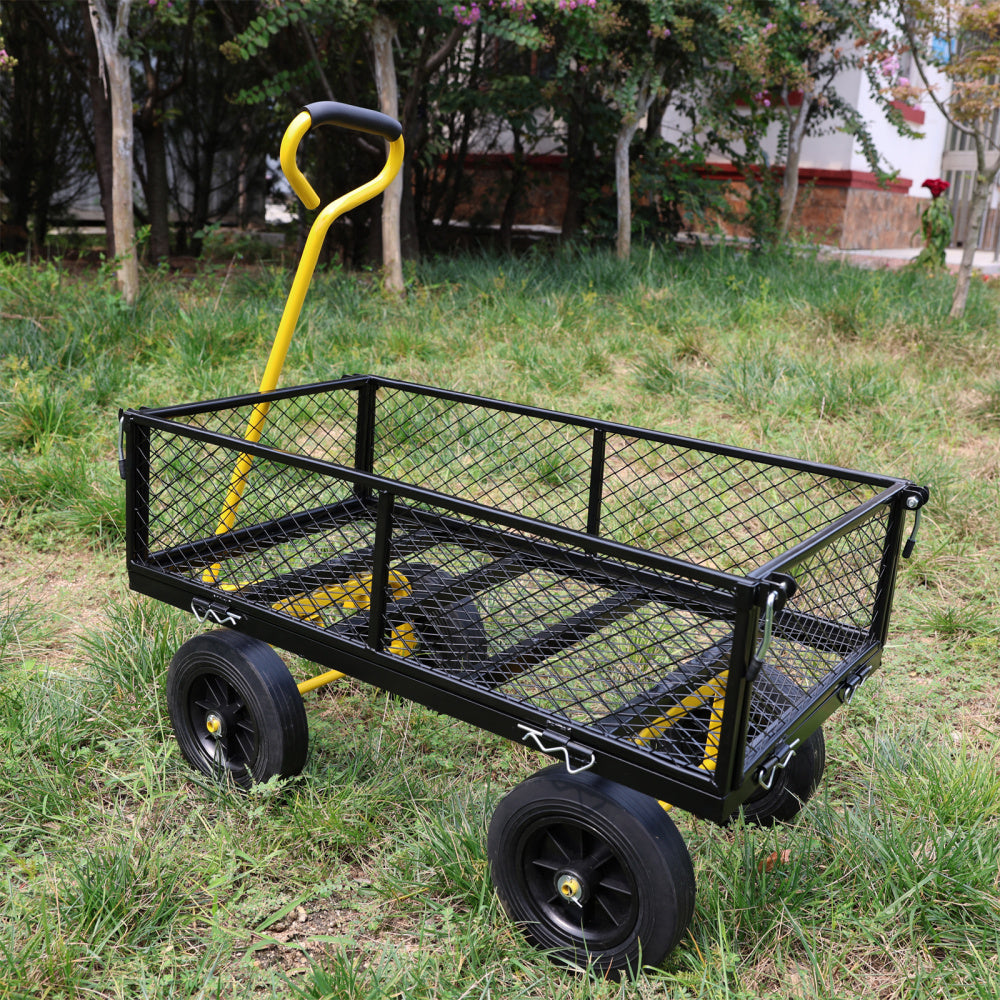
<point>121,444</point>
<point>915,500</point>
<point>778,761</point>
<point>912,540</point>
<point>220,614</point>
<point>561,746</point>
<point>852,684</point>
<point>753,668</point>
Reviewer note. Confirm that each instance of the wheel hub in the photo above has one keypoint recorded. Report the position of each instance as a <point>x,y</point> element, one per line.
<point>215,725</point>
<point>571,887</point>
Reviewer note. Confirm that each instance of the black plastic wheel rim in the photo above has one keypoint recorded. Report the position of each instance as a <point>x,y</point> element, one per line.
<point>578,883</point>
<point>214,701</point>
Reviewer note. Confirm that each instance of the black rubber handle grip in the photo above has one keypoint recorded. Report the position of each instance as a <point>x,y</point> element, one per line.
<point>357,119</point>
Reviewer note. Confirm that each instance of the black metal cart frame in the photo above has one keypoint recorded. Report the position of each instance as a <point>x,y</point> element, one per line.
<point>768,647</point>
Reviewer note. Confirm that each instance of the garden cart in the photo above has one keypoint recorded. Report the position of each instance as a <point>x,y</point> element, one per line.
<point>671,620</point>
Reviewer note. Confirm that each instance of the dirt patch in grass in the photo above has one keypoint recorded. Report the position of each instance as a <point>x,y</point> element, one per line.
<point>347,922</point>
<point>979,455</point>
<point>69,590</point>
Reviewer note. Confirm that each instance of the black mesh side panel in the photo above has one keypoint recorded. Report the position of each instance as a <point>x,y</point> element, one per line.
<point>722,511</point>
<point>824,626</point>
<point>589,646</point>
<point>318,424</point>
<point>536,467</point>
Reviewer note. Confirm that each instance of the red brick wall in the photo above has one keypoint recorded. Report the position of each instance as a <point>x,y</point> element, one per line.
<point>846,209</point>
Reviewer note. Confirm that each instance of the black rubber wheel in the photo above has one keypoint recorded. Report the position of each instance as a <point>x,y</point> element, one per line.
<point>792,787</point>
<point>592,871</point>
<point>236,710</point>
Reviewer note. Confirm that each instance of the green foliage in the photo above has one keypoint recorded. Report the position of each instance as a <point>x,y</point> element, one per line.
<point>785,59</point>
<point>936,226</point>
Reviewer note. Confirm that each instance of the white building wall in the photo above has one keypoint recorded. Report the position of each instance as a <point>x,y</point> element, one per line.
<point>915,159</point>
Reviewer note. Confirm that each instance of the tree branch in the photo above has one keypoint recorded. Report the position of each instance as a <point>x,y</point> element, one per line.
<point>446,49</point>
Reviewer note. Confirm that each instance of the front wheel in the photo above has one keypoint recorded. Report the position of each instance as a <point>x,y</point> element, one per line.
<point>592,871</point>
<point>235,708</point>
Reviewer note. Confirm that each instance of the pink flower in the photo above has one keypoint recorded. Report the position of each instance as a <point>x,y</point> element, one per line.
<point>890,66</point>
<point>466,15</point>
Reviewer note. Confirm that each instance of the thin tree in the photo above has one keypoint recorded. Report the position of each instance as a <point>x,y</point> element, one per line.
<point>962,40</point>
<point>111,37</point>
<point>787,57</point>
<point>383,34</point>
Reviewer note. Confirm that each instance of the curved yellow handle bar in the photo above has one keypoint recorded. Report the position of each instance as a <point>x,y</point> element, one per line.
<point>317,233</point>
<point>354,118</point>
<point>289,167</point>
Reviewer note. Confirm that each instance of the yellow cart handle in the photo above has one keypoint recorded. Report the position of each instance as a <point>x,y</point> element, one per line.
<point>345,116</point>
<point>312,115</point>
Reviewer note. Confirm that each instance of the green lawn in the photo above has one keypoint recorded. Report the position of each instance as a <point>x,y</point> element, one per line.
<point>126,875</point>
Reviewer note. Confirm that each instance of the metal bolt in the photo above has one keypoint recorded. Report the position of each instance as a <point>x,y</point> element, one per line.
<point>912,502</point>
<point>569,888</point>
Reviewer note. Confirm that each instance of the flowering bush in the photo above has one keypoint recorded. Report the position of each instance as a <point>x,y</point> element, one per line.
<point>7,61</point>
<point>935,225</point>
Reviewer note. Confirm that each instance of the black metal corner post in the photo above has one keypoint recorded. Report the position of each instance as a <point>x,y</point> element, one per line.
<point>739,688</point>
<point>595,496</point>
<point>382,552</point>
<point>136,492</point>
<point>364,436</point>
<point>907,500</point>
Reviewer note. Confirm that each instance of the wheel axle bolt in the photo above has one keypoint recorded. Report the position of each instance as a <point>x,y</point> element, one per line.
<point>569,887</point>
<point>213,724</point>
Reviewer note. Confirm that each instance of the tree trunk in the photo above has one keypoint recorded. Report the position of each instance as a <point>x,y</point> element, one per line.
<point>117,76</point>
<point>156,188</point>
<point>790,181</point>
<point>985,177</point>
<point>623,176</point>
<point>623,189</point>
<point>383,31</point>
<point>414,128</point>
<point>201,204</point>
<point>518,178</point>
<point>102,128</point>
<point>576,138</point>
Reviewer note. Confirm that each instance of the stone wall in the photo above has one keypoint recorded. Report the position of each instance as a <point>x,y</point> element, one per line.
<point>542,202</point>
<point>851,212</point>
<point>881,220</point>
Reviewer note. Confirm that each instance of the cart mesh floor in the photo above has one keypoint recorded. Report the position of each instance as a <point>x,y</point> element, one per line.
<point>577,577</point>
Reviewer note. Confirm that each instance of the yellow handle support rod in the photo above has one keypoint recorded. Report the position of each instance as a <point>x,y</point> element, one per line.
<point>300,284</point>
<point>320,681</point>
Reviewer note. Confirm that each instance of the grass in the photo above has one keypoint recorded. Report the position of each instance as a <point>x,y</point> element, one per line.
<point>125,875</point>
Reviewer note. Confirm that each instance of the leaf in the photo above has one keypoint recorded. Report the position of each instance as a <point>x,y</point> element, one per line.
<point>773,859</point>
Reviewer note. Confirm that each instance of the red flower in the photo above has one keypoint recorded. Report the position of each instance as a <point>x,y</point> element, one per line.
<point>936,186</point>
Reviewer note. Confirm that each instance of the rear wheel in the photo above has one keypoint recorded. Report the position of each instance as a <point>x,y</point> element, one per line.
<point>592,871</point>
<point>236,710</point>
<point>792,787</point>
